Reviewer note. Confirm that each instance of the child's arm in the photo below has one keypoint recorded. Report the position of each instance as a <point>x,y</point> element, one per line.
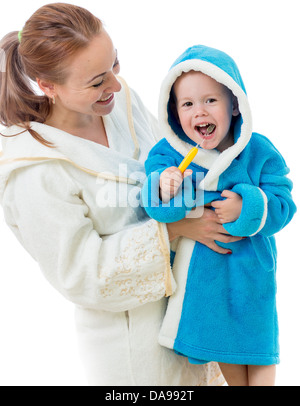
<point>267,200</point>
<point>161,158</point>
<point>265,209</point>
<point>228,210</point>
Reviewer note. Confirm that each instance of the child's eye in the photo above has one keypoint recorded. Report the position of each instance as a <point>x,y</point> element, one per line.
<point>209,101</point>
<point>187,104</point>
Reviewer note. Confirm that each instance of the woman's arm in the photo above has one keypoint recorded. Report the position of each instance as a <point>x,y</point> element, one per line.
<point>206,229</point>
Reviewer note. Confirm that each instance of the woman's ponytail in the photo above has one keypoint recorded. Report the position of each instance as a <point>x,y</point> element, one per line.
<point>52,35</point>
<point>19,104</point>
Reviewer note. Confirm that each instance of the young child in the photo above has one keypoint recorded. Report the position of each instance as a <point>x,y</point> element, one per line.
<point>224,308</point>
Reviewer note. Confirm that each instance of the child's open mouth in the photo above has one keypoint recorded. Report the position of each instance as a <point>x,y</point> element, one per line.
<point>206,129</point>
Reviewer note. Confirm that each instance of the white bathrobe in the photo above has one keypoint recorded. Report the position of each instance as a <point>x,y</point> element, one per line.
<point>75,208</point>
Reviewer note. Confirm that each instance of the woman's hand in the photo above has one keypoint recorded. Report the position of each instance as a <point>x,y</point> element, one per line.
<point>206,229</point>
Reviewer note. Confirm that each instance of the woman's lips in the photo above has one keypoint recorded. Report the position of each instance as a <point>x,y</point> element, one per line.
<point>106,100</point>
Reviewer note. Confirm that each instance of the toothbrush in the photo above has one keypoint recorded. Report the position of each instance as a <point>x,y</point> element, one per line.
<point>189,157</point>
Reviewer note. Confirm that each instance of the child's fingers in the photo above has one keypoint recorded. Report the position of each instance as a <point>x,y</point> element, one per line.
<point>228,194</point>
<point>217,204</point>
<point>174,178</point>
<point>170,185</point>
<point>172,172</point>
<point>171,180</point>
<point>187,172</point>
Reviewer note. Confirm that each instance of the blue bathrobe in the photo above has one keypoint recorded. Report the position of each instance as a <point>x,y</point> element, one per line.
<point>224,308</point>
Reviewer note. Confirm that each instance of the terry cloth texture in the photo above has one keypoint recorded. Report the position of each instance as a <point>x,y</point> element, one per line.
<point>224,308</point>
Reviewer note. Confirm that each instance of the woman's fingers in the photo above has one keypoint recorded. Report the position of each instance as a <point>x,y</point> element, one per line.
<point>215,247</point>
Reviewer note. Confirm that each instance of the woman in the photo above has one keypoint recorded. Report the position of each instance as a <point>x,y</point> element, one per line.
<point>70,175</point>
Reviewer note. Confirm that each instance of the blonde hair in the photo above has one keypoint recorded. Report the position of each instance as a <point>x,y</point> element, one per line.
<point>52,35</point>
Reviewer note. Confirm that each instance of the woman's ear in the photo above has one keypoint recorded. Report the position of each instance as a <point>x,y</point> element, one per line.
<point>235,107</point>
<point>46,87</point>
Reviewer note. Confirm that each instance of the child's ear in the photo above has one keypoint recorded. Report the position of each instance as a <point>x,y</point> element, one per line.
<point>235,106</point>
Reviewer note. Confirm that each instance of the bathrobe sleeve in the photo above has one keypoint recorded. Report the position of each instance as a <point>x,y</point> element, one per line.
<point>267,206</point>
<point>44,208</point>
<point>161,157</point>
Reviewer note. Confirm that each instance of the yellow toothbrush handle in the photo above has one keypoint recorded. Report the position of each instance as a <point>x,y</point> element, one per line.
<point>188,159</point>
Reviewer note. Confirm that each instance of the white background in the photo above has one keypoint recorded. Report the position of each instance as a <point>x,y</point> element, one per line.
<point>37,335</point>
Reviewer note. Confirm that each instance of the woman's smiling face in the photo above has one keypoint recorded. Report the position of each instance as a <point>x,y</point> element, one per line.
<point>205,109</point>
<point>91,81</point>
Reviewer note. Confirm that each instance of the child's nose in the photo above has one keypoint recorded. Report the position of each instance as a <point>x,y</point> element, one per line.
<point>200,110</point>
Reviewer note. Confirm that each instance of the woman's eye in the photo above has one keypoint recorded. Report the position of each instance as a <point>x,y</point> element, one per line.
<point>98,84</point>
<point>116,68</point>
<point>117,63</point>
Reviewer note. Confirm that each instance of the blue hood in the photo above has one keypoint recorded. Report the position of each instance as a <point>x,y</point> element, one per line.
<point>214,57</point>
<point>223,69</point>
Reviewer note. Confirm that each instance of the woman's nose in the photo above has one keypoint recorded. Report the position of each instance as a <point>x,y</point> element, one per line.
<point>113,85</point>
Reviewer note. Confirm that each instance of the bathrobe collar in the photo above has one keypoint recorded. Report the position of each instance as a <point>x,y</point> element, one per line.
<point>122,162</point>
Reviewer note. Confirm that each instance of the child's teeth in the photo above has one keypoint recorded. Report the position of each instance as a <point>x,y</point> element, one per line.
<point>205,129</point>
